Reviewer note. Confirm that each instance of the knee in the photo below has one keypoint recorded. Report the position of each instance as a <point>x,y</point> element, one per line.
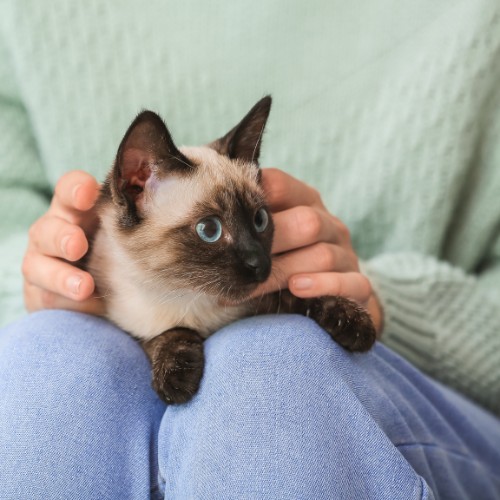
<point>76,394</point>
<point>262,361</point>
<point>70,347</point>
<point>284,345</point>
<point>273,392</point>
<point>284,334</point>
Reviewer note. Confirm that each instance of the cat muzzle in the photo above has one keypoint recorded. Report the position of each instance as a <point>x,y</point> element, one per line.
<point>257,264</point>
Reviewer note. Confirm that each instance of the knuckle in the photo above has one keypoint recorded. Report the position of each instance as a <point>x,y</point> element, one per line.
<point>70,217</point>
<point>343,231</point>
<point>34,232</point>
<point>315,194</point>
<point>279,186</point>
<point>309,223</point>
<point>365,286</point>
<point>325,257</point>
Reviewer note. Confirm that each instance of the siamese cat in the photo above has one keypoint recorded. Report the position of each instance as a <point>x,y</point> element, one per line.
<point>183,233</point>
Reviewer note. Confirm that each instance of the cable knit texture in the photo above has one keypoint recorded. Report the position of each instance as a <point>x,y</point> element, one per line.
<point>390,108</point>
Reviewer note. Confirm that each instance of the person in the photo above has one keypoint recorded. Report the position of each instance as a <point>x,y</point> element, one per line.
<point>392,111</point>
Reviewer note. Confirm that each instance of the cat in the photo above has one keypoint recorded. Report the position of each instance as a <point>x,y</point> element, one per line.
<point>183,233</point>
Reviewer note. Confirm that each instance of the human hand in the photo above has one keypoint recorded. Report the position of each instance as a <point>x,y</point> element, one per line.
<point>57,239</point>
<point>312,250</point>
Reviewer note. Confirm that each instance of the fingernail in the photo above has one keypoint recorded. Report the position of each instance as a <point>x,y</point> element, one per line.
<point>73,283</point>
<point>64,244</point>
<point>302,283</point>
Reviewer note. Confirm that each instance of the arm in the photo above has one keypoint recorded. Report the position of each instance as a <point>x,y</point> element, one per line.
<point>24,196</point>
<point>24,190</point>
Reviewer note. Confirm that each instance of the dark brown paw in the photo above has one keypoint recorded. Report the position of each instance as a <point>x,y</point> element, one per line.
<point>348,323</point>
<point>177,361</point>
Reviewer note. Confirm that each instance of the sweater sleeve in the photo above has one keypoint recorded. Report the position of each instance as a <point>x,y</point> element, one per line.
<point>444,321</point>
<point>24,189</point>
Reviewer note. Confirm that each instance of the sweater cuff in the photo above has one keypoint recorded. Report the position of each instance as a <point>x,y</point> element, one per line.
<point>413,292</point>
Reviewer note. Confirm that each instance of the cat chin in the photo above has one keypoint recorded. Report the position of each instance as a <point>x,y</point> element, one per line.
<point>236,299</point>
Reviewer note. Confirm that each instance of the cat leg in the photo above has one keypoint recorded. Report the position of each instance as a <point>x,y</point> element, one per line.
<point>347,322</point>
<point>177,362</point>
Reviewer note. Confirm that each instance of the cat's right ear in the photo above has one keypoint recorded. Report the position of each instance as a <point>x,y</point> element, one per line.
<point>243,141</point>
<point>147,150</point>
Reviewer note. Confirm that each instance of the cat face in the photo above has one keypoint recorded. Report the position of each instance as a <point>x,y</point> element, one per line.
<point>192,218</point>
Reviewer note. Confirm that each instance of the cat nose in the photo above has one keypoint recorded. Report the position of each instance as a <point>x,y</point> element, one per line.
<point>252,261</point>
<point>259,264</point>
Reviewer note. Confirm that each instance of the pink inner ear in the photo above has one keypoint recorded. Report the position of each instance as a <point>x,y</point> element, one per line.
<point>136,167</point>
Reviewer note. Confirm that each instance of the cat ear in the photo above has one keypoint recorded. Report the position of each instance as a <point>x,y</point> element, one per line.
<point>243,141</point>
<point>146,149</point>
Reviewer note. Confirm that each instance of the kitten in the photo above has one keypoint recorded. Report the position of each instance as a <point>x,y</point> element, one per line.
<point>183,232</point>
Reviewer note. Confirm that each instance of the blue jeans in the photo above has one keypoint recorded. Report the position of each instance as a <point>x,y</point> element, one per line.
<point>282,412</point>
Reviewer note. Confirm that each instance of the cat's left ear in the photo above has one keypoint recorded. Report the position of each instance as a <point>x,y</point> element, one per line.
<point>243,141</point>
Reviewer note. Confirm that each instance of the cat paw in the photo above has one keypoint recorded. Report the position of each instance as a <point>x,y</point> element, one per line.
<point>177,364</point>
<point>347,323</point>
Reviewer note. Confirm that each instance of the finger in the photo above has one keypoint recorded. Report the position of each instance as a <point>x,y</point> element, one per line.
<point>321,257</point>
<point>56,237</point>
<point>284,191</point>
<point>303,226</point>
<point>76,191</point>
<point>352,285</point>
<point>57,276</point>
<point>36,299</point>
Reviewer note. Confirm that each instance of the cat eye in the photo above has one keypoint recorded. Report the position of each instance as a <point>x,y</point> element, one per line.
<point>209,229</point>
<point>261,220</point>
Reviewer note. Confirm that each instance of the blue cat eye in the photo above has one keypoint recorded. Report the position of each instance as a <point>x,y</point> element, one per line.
<point>209,229</point>
<point>261,220</point>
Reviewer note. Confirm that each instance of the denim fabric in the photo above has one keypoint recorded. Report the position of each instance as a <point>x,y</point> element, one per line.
<point>282,412</point>
<point>78,419</point>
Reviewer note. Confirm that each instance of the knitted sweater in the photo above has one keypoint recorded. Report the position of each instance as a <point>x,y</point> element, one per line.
<point>391,108</point>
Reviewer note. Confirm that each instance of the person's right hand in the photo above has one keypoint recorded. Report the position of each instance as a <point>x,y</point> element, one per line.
<point>57,239</point>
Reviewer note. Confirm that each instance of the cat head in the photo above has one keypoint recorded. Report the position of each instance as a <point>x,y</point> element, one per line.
<point>192,217</point>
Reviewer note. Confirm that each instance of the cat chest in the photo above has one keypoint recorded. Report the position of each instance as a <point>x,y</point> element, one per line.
<point>145,318</point>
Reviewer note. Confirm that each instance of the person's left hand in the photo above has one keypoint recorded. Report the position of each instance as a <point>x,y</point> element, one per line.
<point>312,250</point>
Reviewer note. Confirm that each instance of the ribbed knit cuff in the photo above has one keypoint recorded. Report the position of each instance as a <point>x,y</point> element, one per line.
<point>442,320</point>
<point>412,290</point>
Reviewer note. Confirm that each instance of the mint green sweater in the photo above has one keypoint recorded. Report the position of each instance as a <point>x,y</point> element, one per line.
<point>391,108</point>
